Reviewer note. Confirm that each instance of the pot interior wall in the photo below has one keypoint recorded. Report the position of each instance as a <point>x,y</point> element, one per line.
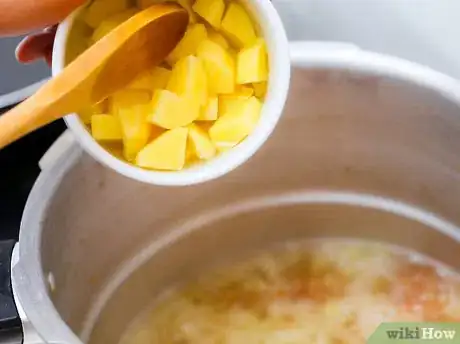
<point>342,132</point>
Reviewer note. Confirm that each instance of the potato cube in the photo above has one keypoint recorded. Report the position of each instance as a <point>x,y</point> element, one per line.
<point>170,111</point>
<point>160,77</point>
<point>188,45</point>
<point>151,80</point>
<point>111,23</point>
<point>219,66</point>
<point>105,128</point>
<point>210,10</point>
<point>252,64</point>
<point>128,98</point>
<point>237,25</point>
<point>167,152</point>
<point>228,103</point>
<point>100,10</point>
<point>200,143</point>
<point>260,89</point>
<point>233,127</point>
<point>218,38</point>
<point>244,91</point>
<point>188,79</point>
<point>97,109</point>
<point>210,111</point>
<point>135,129</point>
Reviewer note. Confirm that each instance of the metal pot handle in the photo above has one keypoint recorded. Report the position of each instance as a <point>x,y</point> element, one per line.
<point>10,322</point>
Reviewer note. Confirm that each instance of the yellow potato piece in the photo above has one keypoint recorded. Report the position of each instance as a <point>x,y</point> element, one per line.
<point>170,111</point>
<point>227,103</point>
<point>210,10</point>
<point>151,80</point>
<point>210,111</point>
<point>233,127</point>
<point>97,109</point>
<point>237,25</point>
<point>105,128</point>
<point>218,38</point>
<point>219,66</point>
<point>128,98</point>
<point>244,91</point>
<point>260,89</point>
<point>195,34</point>
<point>111,23</point>
<point>252,64</point>
<point>167,152</point>
<point>135,129</point>
<point>100,10</point>
<point>188,79</point>
<point>200,143</point>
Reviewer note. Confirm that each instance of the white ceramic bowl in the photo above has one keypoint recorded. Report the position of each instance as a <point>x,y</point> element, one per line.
<point>271,28</point>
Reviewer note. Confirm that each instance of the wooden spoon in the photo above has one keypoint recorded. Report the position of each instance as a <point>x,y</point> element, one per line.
<point>140,43</point>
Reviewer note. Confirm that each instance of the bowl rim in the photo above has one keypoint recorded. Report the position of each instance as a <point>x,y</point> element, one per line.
<point>272,109</point>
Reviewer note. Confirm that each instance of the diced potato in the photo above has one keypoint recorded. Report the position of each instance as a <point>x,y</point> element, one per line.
<point>200,143</point>
<point>187,4</point>
<point>210,111</point>
<point>210,10</point>
<point>220,67</point>
<point>234,126</point>
<point>260,89</point>
<point>100,10</point>
<point>228,103</point>
<point>170,111</point>
<point>237,25</point>
<point>160,77</point>
<point>128,98</point>
<point>135,129</point>
<point>111,23</point>
<point>252,64</point>
<point>167,152</point>
<point>151,80</point>
<point>188,79</point>
<point>244,91</point>
<point>97,109</point>
<point>188,45</point>
<point>218,38</point>
<point>155,131</point>
<point>105,128</point>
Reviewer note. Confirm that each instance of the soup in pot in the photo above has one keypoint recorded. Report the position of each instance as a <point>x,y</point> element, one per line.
<point>319,291</point>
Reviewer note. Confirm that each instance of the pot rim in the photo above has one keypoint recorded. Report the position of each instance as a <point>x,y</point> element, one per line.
<point>28,271</point>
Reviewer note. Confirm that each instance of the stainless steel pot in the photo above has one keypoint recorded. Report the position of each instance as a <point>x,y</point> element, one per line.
<point>369,147</point>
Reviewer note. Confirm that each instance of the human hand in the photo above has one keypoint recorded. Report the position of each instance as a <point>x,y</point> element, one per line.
<point>22,16</point>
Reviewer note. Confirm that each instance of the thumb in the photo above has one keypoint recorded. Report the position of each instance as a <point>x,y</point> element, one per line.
<point>36,46</point>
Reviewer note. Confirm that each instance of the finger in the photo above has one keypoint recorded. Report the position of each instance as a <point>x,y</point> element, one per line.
<point>35,47</point>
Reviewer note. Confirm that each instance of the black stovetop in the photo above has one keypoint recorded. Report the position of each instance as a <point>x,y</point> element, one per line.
<point>19,170</point>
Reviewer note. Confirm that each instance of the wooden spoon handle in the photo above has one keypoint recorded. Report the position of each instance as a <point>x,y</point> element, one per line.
<point>42,108</point>
<point>22,120</point>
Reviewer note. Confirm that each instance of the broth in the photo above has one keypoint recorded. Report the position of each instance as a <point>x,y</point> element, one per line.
<point>319,291</point>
